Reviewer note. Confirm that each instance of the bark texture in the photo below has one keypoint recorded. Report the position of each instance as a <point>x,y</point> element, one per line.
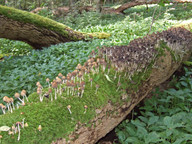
<point>36,30</point>
<point>178,48</point>
<point>142,2</point>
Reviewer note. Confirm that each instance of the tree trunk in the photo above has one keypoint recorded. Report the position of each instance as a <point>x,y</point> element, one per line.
<point>36,30</point>
<point>142,2</point>
<point>177,47</point>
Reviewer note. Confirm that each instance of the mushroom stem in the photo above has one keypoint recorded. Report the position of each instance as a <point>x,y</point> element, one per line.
<point>60,89</point>
<point>55,94</point>
<point>19,132</point>
<point>26,98</point>
<point>115,75</point>
<point>82,93</point>
<point>69,110</point>
<point>119,78</point>
<point>51,97</point>
<point>23,123</point>
<point>96,90</point>
<point>21,100</point>
<point>10,107</point>
<point>13,105</point>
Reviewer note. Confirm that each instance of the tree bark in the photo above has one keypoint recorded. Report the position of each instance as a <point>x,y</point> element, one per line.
<point>36,30</point>
<point>142,2</point>
<point>179,45</point>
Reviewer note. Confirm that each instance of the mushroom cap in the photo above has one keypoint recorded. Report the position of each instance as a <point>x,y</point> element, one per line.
<point>69,106</point>
<point>60,75</point>
<point>38,91</point>
<point>6,99</point>
<point>11,100</point>
<point>18,123</point>
<point>58,80</point>
<point>17,95</point>
<point>47,79</point>
<point>97,86</point>
<point>1,105</point>
<point>24,91</point>
<point>54,84</point>
<point>50,90</point>
<point>63,78</point>
<point>39,128</point>
<point>38,83</point>
<point>85,106</point>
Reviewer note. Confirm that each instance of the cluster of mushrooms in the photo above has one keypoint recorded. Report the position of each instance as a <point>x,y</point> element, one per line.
<point>10,102</point>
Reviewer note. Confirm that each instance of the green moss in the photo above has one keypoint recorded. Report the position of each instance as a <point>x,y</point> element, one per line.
<point>43,22</point>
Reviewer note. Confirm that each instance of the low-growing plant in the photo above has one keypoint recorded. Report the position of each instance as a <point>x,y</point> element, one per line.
<point>165,118</point>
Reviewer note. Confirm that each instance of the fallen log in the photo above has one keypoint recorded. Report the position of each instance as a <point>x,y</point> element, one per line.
<point>102,91</point>
<point>125,6</point>
<point>120,10</point>
<point>36,30</point>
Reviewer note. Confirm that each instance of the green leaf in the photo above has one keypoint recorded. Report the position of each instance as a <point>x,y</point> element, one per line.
<point>153,120</point>
<point>4,128</point>
<point>167,121</point>
<point>152,137</point>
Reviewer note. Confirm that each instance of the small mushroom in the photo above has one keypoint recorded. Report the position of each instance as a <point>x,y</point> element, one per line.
<point>39,92</point>
<point>7,100</point>
<point>17,95</point>
<point>2,108</point>
<point>119,84</point>
<point>59,81</point>
<point>54,85</point>
<point>47,80</point>
<point>23,94</point>
<point>119,78</point>
<point>50,92</point>
<point>97,86</point>
<point>91,80</point>
<point>69,108</point>
<point>60,75</point>
<point>26,125</point>
<point>39,128</point>
<point>12,100</point>
<point>11,132</point>
<point>82,91</point>
<point>18,124</point>
<point>85,106</point>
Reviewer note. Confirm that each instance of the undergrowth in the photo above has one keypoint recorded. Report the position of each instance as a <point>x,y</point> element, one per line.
<point>165,118</point>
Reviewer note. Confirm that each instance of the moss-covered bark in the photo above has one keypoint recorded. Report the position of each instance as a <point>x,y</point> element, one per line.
<point>126,74</point>
<point>36,30</point>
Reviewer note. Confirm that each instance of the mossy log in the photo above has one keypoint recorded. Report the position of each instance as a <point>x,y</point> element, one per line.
<point>36,30</point>
<point>115,80</point>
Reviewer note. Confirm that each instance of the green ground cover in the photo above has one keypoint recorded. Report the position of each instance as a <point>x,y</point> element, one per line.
<point>164,118</point>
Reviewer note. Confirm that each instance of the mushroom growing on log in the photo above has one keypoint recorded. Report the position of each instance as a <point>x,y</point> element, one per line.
<point>160,54</point>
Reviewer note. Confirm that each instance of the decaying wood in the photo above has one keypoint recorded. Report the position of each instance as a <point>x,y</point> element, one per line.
<point>65,10</point>
<point>142,2</point>
<point>179,43</point>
